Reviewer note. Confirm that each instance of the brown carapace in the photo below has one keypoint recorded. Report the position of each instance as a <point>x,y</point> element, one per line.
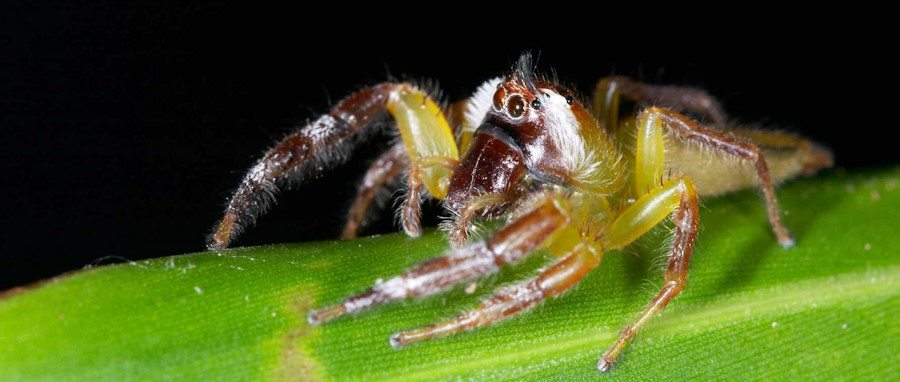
<point>578,181</point>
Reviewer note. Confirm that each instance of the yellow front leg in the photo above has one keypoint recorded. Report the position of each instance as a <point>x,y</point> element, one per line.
<point>427,136</point>
<point>431,148</point>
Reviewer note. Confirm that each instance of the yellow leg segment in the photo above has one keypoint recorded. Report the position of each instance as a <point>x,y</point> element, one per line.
<point>649,156</point>
<point>606,104</point>
<point>425,134</point>
<point>645,213</point>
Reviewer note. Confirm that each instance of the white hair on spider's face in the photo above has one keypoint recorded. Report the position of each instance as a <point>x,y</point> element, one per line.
<point>565,130</point>
<point>479,105</point>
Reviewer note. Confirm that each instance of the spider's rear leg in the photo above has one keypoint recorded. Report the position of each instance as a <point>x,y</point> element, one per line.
<point>609,89</point>
<point>509,244</point>
<point>328,140</point>
<point>686,129</point>
<point>775,155</point>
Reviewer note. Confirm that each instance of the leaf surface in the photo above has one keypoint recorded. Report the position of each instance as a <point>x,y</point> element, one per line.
<point>824,310</point>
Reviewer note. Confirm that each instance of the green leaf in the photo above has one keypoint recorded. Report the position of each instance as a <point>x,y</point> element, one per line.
<point>824,310</point>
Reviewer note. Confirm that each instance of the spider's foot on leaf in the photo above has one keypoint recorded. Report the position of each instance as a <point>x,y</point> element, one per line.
<point>787,241</point>
<point>219,239</point>
<point>406,337</point>
<point>321,316</point>
<point>401,339</point>
<point>603,365</point>
<point>395,340</point>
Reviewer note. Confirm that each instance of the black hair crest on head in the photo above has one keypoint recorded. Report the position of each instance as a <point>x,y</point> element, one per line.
<point>524,71</point>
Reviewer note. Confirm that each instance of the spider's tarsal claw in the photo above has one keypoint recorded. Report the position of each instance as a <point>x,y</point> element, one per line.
<point>215,247</point>
<point>412,230</point>
<point>603,365</point>
<point>321,316</point>
<point>396,341</point>
<point>401,339</point>
<point>222,236</point>
<point>787,241</point>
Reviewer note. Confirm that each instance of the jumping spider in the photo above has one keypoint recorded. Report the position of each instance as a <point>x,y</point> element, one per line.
<point>579,181</point>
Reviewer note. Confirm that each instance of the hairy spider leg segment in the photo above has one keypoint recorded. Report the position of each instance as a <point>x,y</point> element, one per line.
<point>326,142</point>
<point>609,89</point>
<point>319,144</point>
<point>555,280</point>
<point>584,255</point>
<point>459,231</point>
<point>509,244</point>
<point>386,167</point>
<point>687,129</point>
<point>814,158</point>
<point>411,211</point>
<point>647,212</point>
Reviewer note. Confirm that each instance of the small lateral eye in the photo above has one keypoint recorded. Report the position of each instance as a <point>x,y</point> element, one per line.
<point>499,95</point>
<point>569,99</point>
<point>537,105</point>
<point>516,106</point>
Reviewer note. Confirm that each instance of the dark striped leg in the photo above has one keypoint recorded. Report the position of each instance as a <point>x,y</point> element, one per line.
<point>387,167</point>
<point>507,245</point>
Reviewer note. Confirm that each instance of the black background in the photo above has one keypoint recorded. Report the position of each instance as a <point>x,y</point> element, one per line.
<point>123,129</point>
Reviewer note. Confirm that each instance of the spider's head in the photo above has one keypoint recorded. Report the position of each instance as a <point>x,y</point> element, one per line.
<point>542,119</point>
<point>525,96</point>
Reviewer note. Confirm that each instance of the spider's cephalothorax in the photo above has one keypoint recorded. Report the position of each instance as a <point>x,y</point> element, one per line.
<point>579,182</point>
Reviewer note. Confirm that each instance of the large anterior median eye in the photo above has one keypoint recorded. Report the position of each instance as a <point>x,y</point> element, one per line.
<point>515,106</point>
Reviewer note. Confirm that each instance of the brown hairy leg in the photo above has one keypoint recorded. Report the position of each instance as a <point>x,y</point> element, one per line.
<point>320,144</point>
<point>511,243</point>
<point>814,158</point>
<point>555,280</point>
<point>411,211</point>
<point>676,195</point>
